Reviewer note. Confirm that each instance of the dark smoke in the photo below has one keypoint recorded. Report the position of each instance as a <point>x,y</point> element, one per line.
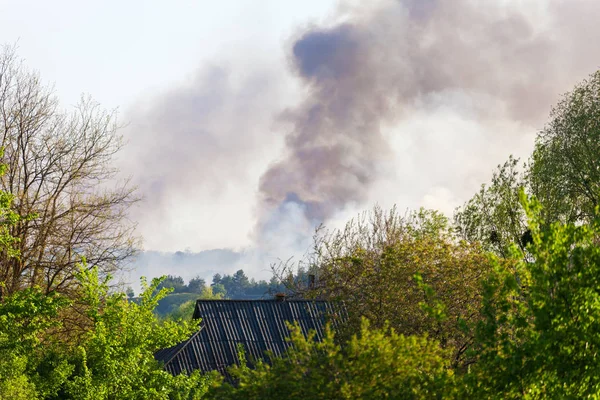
<point>336,143</point>
<point>386,59</point>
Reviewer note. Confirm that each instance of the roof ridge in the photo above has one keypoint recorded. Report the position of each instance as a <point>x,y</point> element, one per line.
<point>264,300</point>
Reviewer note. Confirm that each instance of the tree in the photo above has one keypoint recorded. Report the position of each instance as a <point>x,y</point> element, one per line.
<point>239,283</point>
<point>494,217</point>
<point>114,359</point>
<point>216,279</point>
<point>563,173</point>
<point>374,364</point>
<point>173,282</point>
<point>539,338</point>
<point>27,367</point>
<point>185,311</point>
<point>196,285</point>
<point>235,285</point>
<point>371,266</point>
<point>59,169</point>
<point>219,290</point>
<point>565,168</point>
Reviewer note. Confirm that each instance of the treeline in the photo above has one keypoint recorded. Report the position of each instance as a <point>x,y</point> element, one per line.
<point>239,287</point>
<point>180,302</point>
<point>531,332</point>
<point>236,286</point>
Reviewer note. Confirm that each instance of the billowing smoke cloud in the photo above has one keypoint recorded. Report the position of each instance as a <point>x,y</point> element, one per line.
<point>383,61</point>
<point>194,151</point>
<point>443,88</point>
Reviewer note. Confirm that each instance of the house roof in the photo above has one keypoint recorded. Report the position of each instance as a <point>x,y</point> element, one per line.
<point>259,325</point>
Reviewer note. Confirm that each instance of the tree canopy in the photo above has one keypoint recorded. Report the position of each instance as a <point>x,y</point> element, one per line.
<point>372,266</point>
<point>565,168</point>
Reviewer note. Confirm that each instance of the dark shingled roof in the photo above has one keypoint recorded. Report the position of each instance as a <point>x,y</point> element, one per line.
<point>259,325</point>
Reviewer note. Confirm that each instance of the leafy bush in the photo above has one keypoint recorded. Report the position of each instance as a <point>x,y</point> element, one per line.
<point>372,365</point>
<point>540,335</point>
<point>113,359</point>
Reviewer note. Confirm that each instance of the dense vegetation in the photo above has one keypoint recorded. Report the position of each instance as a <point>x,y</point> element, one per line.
<point>180,302</point>
<point>501,302</point>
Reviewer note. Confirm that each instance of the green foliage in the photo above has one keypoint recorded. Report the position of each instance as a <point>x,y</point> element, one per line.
<point>494,217</point>
<point>239,287</point>
<point>565,167</point>
<point>185,310</point>
<point>371,266</point>
<point>175,283</point>
<point>563,173</point>
<point>540,335</point>
<point>27,367</point>
<point>196,285</point>
<point>171,302</point>
<point>219,290</point>
<point>114,359</point>
<point>536,338</point>
<point>374,364</point>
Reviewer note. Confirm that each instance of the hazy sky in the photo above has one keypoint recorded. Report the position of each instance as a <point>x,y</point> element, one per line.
<point>122,52</point>
<point>249,121</point>
<point>118,51</point>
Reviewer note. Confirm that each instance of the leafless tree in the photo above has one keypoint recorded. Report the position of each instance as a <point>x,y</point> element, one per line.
<point>60,169</point>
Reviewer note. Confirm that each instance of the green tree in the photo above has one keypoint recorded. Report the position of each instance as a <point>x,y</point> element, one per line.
<point>239,284</point>
<point>24,316</point>
<point>175,283</point>
<point>113,359</point>
<point>28,366</point>
<point>116,358</point>
<point>216,279</point>
<point>196,285</point>
<point>185,311</point>
<point>494,217</point>
<point>374,364</point>
<point>371,265</point>
<point>539,338</point>
<point>565,167</point>
<point>219,290</point>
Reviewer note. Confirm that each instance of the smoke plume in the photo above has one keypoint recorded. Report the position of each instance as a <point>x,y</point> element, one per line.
<point>442,88</point>
<point>383,61</point>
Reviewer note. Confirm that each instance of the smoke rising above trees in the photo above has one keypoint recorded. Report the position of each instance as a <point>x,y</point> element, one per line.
<point>382,61</point>
<point>363,75</point>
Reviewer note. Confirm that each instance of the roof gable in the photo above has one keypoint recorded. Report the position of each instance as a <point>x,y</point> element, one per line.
<point>259,325</point>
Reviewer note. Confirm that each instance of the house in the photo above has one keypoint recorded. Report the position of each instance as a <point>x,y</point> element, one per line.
<point>259,325</point>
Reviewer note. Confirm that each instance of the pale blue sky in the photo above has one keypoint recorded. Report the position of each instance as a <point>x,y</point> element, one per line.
<point>116,50</point>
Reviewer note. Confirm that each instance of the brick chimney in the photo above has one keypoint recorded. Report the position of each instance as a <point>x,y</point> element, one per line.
<point>280,296</point>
